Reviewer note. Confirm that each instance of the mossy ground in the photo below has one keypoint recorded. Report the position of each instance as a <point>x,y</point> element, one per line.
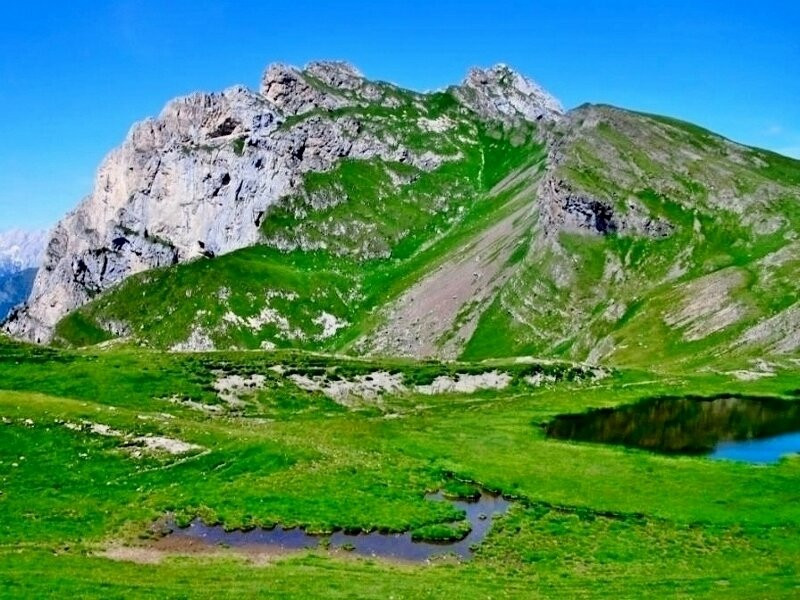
<point>590,520</point>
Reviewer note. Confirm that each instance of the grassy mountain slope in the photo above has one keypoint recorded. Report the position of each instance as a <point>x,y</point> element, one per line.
<point>621,237</point>
<point>694,296</point>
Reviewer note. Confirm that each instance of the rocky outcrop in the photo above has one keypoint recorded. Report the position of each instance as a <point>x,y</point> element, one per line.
<point>293,93</point>
<point>562,208</point>
<point>320,86</point>
<point>501,93</point>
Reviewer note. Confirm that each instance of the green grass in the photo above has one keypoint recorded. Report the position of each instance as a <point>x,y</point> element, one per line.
<point>441,532</point>
<point>81,330</point>
<point>588,518</point>
<point>238,145</point>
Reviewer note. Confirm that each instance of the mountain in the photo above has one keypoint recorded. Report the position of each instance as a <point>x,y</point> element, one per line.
<point>330,212</point>
<point>20,249</point>
<point>14,288</point>
<point>20,254</point>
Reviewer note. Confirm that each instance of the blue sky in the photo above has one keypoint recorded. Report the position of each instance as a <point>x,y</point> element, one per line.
<point>75,75</point>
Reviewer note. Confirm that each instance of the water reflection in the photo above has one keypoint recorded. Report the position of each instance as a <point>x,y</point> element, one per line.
<point>752,429</point>
<point>400,546</point>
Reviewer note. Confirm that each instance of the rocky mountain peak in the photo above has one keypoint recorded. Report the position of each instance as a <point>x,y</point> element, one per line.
<point>336,74</point>
<point>198,180</point>
<point>294,92</point>
<point>499,92</point>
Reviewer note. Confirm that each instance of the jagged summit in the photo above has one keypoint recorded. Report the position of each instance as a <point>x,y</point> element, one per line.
<point>289,90</point>
<point>336,73</point>
<point>499,92</point>
<point>321,85</point>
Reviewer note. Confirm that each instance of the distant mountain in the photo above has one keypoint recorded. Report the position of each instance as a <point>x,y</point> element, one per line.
<point>20,249</point>
<point>329,212</point>
<point>14,289</point>
<point>20,255</point>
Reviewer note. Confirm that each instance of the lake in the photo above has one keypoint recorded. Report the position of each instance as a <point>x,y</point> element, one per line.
<point>729,426</point>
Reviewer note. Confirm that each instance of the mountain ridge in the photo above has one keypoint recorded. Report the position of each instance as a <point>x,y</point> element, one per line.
<point>477,221</point>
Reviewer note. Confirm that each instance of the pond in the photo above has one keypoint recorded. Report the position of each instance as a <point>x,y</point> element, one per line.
<point>398,546</point>
<point>734,427</point>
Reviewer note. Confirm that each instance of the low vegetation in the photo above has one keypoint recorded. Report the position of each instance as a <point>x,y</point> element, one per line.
<point>588,518</point>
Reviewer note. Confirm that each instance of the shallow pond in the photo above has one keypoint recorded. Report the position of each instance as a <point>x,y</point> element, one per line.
<point>398,546</point>
<point>745,428</point>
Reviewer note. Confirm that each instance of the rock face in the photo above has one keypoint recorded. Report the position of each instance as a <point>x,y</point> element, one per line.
<point>565,209</point>
<point>197,181</point>
<point>501,93</point>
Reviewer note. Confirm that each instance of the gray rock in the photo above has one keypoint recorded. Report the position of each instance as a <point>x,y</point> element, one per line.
<point>503,94</point>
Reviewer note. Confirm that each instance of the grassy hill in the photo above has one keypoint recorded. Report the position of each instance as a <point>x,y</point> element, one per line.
<point>81,501</point>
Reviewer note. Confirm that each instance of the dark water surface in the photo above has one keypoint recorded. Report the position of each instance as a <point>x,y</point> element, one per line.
<point>397,546</point>
<point>745,428</point>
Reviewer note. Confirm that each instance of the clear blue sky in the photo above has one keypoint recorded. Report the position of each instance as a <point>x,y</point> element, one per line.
<point>75,75</point>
